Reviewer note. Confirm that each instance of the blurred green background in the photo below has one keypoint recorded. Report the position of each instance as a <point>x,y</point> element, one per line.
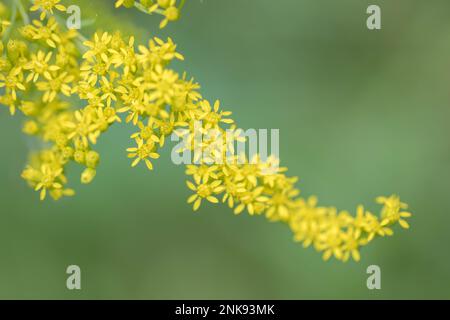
<point>361,113</point>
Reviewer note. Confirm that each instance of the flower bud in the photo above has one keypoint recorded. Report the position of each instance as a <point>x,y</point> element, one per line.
<point>67,152</point>
<point>79,156</point>
<point>172,14</point>
<point>88,175</point>
<point>30,127</point>
<point>92,159</point>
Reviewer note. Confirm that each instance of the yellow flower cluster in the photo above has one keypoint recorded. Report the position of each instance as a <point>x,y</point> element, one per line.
<point>45,72</point>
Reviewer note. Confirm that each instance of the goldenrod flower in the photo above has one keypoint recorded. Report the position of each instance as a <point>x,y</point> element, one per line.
<point>146,133</point>
<point>392,211</point>
<point>158,52</point>
<point>98,48</point>
<point>12,82</point>
<point>48,180</point>
<point>163,85</point>
<point>202,172</point>
<point>167,126</point>
<point>143,151</point>
<point>252,200</point>
<point>30,127</point>
<point>205,190</point>
<point>54,84</point>
<point>38,65</point>
<point>170,14</point>
<point>9,101</point>
<point>49,33</point>
<point>47,6</point>
<point>211,116</point>
<point>351,243</point>
<point>83,127</point>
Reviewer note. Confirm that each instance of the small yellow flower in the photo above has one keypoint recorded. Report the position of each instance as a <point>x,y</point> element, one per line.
<point>202,173</point>
<point>98,47</point>
<point>46,6</point>
<point>280,204</point>
<point>163,86</point>
<point>30,127</point>
<point>158,52</point>
<point>49,33</point>
<point>170,14</point>
<point>211,116</point>
<point>392,211</point>
<point>167,127</point>
<point>351,243</point>
<point>108,91</point>
<point>56,194</point>
<point>48,180</point>
<point>233,190</point>
<point>205,190</point>
<point>54,84</point>
<point>13,82</point>
<point>143,151</point>
<point>253,200</point>
<point>125,57</point>
<point>9,101</point>
<point>146,133</point>
<point>38,65</point>
<point>83,127</point>
<point>331,245</point>
<point>373,227</point>
<point>305,221</point>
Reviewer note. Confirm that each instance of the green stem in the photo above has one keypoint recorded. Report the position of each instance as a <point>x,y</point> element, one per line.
<point>22,11</point>
<point>142,8</point>
<point>182,2</point>
<point>7,33</point>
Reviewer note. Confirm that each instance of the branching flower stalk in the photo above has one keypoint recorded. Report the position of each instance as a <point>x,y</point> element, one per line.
<point>70,96</point>
<point>167,8</point>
